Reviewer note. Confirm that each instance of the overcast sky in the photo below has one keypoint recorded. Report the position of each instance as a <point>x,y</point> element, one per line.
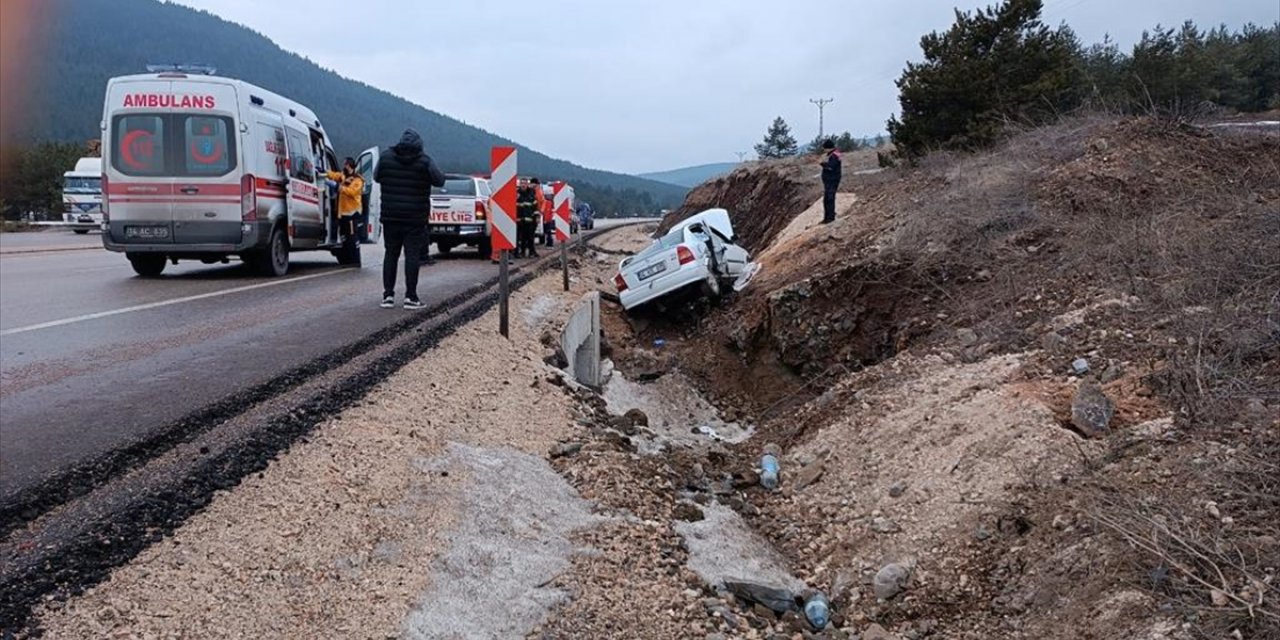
<point>649,85</point>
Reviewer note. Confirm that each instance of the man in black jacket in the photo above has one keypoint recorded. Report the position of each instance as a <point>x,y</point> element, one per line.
<point>830,181</point>
<point>406,174</point>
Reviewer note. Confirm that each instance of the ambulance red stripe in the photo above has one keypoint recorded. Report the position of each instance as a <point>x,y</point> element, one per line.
<point>165,188</point>
<point>172,200</point>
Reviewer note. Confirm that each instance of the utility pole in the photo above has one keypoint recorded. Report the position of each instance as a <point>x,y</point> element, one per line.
<point>822,105</point>
<point>742,155</point>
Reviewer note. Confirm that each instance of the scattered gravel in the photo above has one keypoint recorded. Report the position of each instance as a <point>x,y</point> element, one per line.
<point>337,537</point>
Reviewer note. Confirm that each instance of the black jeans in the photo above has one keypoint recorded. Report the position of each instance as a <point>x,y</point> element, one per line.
<point>829,202</point>
<point>411,237</point>
<point>526,231</point>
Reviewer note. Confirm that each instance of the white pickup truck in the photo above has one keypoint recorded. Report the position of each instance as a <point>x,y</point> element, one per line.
<point>700,253</point>
<point>459,214</point>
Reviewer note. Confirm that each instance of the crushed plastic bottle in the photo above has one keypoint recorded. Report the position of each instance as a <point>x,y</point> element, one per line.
<point>660,342</point>
<point>769,469</point>
<point>817,610</point>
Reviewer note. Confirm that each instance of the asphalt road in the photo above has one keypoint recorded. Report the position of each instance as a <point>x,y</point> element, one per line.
<point>93,358</point>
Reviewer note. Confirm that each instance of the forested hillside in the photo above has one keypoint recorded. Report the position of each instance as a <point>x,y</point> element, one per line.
<point>90,41</point>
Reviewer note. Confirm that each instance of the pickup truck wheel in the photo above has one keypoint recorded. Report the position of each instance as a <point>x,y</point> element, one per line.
<point>274,262</point>
<point>147,265</point>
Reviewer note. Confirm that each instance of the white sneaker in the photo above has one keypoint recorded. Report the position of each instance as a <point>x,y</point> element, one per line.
<point>413,303</point>
<point>388,302</point>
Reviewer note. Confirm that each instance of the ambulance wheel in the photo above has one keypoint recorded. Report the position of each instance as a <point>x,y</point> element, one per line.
<point>274,262</point>
<point>485,249</point>
<point>80,232</point>
<point>444,247</point>
<point>147,265</point>
<point>348,255</point>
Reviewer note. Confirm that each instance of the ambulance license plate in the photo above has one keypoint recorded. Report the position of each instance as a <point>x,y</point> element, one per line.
<point>147,233</point>
<point>651,271</point>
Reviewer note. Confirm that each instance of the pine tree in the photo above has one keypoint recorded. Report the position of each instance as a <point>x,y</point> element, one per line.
<point>778,142</point>
<point>844,142</point>
<point>993,65</point>
<point>35,177</point>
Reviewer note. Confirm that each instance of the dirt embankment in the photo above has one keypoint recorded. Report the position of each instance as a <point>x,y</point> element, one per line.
<point>763,198</point>
<point>927,364</point>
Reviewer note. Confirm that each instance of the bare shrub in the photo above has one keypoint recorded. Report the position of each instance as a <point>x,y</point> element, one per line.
<point>1216,561</point>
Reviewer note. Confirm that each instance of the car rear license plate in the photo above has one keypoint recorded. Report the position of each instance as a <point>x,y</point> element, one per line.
<point>651,271</point>
<point>443,228</point>
<point>147,233</point>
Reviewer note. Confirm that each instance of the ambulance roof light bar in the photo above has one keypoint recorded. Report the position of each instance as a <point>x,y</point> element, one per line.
<point>194,69</point>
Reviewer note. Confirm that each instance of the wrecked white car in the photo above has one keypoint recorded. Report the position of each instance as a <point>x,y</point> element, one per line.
<point>698,254</point>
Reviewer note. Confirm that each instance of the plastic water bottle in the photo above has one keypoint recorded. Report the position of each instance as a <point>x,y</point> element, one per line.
<point>769,471</point>
<point>817,610</point>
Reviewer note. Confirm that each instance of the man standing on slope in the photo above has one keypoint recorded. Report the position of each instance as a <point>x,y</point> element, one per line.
<point>406,174</point>
<point>830,181</point>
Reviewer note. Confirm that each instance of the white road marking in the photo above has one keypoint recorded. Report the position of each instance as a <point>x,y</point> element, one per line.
<point>164,303</point>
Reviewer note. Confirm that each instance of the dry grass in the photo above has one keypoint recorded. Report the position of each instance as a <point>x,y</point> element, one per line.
<point>1218,569</point>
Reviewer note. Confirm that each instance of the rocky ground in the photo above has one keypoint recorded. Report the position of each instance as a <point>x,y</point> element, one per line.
<point>1013,390</point>
<point>1023,394</point>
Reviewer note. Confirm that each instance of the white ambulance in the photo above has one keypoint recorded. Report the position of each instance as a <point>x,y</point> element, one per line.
<point>201,167</point>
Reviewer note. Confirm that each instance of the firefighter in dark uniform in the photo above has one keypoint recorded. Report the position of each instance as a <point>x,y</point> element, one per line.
<point>527,217</point>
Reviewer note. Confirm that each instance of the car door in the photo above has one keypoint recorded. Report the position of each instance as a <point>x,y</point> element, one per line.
<point>366,164</point>
<point>484,193</point>
<point>306,223</point>
<point>733,257</point>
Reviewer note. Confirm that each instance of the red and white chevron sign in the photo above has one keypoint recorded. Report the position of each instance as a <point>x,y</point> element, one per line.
<point>561,194</point>
<point>503,204</point>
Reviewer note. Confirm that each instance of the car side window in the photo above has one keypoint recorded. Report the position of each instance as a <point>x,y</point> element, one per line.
<point>365,170</point>
<point>301,163</point>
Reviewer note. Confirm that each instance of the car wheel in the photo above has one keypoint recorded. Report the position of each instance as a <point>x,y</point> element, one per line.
<point>274,262</point>
<point>80,232</point>
<point>711,287</point>
<point>147,265</point>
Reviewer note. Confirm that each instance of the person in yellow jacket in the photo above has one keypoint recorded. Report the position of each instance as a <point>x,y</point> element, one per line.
<point>350,197</point>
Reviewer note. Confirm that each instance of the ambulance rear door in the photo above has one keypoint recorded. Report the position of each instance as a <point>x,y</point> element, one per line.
<point>137,190</point>
<point>205,163</point>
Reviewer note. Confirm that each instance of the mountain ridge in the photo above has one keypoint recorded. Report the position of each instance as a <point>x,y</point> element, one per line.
<point>91,41</point>
<point>691,176</point>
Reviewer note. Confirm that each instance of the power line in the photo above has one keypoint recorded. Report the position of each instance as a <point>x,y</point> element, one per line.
<point>822,105</point>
